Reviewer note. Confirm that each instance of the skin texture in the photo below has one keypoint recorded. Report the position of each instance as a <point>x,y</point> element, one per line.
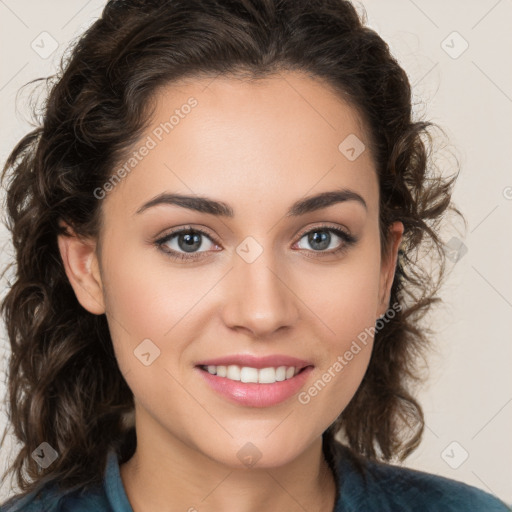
<point>258,147</point>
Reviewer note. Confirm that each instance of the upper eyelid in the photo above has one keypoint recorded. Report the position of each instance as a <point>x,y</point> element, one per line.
<point>178,231</point>
<point>326,227</point>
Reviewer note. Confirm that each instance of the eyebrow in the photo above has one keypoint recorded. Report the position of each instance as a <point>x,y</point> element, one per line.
<point>219,208</point>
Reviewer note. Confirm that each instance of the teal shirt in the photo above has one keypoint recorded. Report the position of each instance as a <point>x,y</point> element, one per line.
<point>378,487</point>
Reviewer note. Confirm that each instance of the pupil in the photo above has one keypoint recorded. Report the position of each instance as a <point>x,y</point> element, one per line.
<point>323,239</point>
<point>192,241</point>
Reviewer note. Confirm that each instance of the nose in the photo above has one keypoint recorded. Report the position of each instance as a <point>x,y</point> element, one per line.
<point>259,296</point>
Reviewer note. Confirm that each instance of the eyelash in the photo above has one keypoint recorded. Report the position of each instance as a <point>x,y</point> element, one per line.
<point>348,241</point>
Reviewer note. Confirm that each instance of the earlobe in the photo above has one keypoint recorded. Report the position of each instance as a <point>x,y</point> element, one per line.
<point>389,265</point>
<point>81,265</point>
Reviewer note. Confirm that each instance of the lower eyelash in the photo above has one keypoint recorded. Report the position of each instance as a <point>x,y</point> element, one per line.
<point>348,241</point>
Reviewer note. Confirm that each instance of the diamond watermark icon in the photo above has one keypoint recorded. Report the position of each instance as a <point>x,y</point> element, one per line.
<point>44,45</point>
<point>454,455</point>
<point>44,455</point>
<point>146,352</point>
<point>455,249</point>
<point>249,454</point>
<point>454,45</point>
<point>351,147</point>
<point>249,250</point>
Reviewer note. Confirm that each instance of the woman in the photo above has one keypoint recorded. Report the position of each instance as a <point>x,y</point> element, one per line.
<point>217,227</point>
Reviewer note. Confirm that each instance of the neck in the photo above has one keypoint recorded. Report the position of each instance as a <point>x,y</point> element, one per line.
<point>171,475</point>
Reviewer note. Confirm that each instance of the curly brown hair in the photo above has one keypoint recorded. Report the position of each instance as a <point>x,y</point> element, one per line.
<point>64,383</point>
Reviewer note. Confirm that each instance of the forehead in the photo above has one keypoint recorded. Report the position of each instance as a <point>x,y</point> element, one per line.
<point>247,141</point>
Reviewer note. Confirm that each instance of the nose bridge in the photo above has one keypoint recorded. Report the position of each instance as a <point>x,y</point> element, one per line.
<point>260,299</point>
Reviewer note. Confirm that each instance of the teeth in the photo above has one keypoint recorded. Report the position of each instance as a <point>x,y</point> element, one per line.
<point>248,374</point>
<point>290,372</point>
<point>280,373</point>
<point>233,372</point>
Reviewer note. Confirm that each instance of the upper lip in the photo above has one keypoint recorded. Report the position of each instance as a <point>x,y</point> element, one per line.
<point>275,361</point>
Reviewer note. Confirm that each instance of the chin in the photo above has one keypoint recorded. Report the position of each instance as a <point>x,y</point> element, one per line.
<point>258,452</point>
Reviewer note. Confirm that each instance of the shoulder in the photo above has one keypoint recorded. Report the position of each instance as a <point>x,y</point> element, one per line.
<point>104,495</point>
<point>382,487</point>
<point>49,499</point>
<point>417,490</point>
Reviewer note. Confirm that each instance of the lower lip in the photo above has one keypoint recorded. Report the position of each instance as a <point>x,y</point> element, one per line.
<point>252,394</point>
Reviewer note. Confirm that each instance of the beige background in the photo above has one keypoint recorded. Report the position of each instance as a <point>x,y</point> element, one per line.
<point>468,398</point>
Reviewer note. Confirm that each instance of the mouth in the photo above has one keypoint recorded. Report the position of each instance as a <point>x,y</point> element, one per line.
<point>248,374</point>
<point>261,385</point>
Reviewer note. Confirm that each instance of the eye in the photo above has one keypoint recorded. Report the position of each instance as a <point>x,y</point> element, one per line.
<point>185,243</point>
<point>326,237</point>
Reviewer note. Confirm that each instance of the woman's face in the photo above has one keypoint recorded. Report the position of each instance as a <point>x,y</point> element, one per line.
<point>259,277</point>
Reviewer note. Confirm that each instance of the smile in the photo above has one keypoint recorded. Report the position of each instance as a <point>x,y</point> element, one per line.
<point>253,387</point>
<point>268,375</point>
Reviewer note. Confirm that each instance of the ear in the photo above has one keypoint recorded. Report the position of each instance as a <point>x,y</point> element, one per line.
<point>82,268</point>
<point>388,266</point>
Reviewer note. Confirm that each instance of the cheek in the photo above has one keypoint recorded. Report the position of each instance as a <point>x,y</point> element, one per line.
<point>144,302</point>
<point>345,297</point>
<point>151,298</point>
<point>148,295</point>
<point>346,302</point>
<point>346,350</point>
